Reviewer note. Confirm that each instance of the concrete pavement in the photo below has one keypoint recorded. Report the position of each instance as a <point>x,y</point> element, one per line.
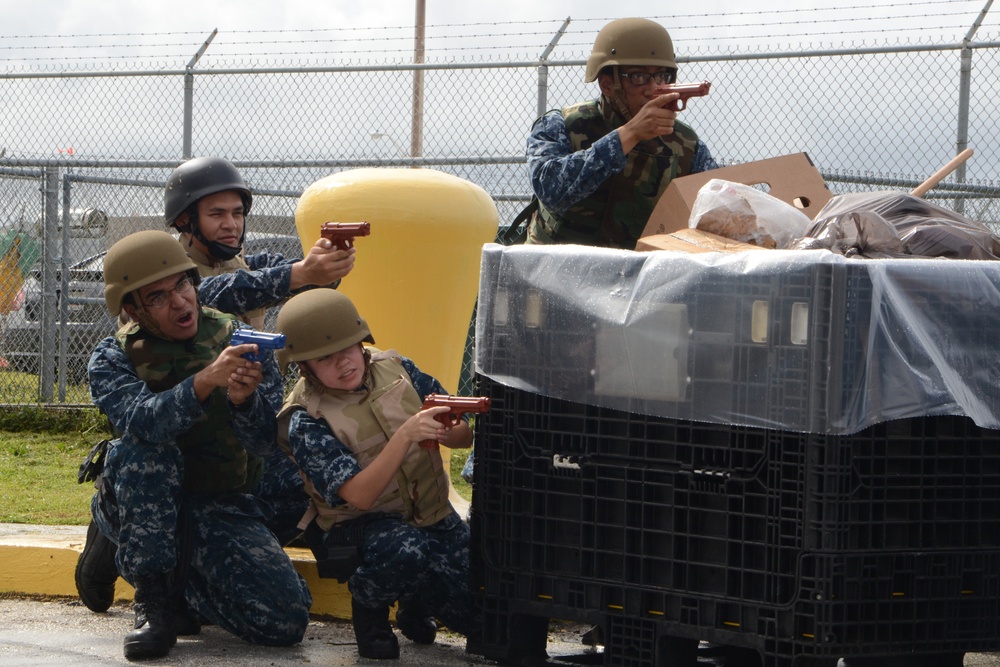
<point>43,623</point>
<point>66,633</point>
<point>63,632</point>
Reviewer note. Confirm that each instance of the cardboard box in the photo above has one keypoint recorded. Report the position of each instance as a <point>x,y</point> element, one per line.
<point>791,178</point>
<point>693,240</point>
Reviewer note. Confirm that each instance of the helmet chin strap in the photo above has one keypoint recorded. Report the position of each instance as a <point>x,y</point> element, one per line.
<point>219,251</point>
<point>147,322</point>
<point>617,97</point>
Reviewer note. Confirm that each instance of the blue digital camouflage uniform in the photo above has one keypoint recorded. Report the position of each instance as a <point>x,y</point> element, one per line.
<point>266,284</point>
<point>239,577</point>
<point>399,561</point>
<point>561,177</point>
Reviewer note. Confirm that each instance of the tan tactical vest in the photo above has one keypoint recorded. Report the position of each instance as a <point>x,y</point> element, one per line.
<point>209,266</point>
<point>365,422</point>
<point>215,461</point>
<point>617,212</point>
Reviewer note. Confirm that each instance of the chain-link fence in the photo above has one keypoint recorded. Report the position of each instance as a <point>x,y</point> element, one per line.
<point>871,117</point>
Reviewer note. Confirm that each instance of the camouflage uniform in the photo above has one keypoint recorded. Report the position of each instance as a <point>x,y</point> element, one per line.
<point>589,191</point>
<point>405,554</point>
<point>247,288</point>
<point>238,576</point>
<point>264,283</point>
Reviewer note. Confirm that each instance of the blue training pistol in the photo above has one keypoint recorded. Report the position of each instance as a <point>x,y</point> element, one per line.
<point>262,339</point>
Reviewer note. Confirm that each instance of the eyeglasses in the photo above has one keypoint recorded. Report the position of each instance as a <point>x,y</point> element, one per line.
<point>161,299</point>
<point>642,78</point>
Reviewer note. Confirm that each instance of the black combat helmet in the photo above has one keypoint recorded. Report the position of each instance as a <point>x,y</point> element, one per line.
<point>197,178</point>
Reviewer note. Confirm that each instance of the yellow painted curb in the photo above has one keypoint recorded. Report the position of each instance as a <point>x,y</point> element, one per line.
<point>330,597</point>
<point>41,565</point>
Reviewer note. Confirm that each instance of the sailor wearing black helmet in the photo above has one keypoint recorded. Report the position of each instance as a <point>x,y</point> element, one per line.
<point>207,201</point>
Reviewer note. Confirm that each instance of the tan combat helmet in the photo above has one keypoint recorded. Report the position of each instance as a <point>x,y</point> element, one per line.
<point>319,322</point>
<point>630,41</point>
<point>141,259</point>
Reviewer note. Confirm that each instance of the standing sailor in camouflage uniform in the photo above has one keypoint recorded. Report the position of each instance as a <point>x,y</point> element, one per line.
<point>598,168</point>
<point>381,517</point>
<point>195,418</point>
<point>207,201</point>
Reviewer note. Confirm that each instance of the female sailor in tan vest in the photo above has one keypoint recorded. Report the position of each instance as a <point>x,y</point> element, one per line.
<point>381,518</point>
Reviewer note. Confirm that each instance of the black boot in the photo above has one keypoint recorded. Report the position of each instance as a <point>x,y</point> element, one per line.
<point>154,633</point>
<point>415,622</point>
<point>373,632</point>
<point>96,572</point>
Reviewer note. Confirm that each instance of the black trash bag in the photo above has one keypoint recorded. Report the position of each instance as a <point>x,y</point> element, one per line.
<point>856,234</point>
<point>897,224</point>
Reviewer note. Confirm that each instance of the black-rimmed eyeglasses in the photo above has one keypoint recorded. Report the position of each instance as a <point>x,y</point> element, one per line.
<point>161,299</point>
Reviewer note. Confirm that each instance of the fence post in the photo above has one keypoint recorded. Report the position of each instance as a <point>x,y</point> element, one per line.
<point>188,112</point>
<point>543,69</point>
<point>964,88</point>
<point>962,138</point>
<point>417,118</point>
<point>64,263</point>
<point>189,94</point>
<point>50,262</point>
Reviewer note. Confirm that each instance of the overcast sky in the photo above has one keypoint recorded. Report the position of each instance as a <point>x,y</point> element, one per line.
<point>795,103</point>
<point>132,16</point>
<point>81,30</point>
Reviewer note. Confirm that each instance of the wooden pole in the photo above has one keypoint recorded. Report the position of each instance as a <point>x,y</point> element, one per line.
<point>941,173</point>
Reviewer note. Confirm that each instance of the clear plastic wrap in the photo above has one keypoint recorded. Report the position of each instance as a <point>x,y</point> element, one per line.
<point>807,341</point>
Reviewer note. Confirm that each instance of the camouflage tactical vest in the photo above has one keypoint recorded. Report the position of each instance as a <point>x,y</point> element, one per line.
<point>209,266</point>
<point>617,212</point>
<point>365,423</point>
<point>214,460</point>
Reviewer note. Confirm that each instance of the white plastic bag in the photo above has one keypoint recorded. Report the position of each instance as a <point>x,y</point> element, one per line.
<point>743,213</point>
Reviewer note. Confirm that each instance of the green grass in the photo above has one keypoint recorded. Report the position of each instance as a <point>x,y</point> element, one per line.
<point>40,454</point>
<point>22,388</point>
<point>458,457</point>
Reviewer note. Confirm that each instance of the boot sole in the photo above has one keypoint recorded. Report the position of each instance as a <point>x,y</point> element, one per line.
<point>145,651</point>
<point>96,601</point>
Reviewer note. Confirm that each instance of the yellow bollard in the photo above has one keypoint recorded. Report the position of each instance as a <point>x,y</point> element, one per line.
<point>416,276</point>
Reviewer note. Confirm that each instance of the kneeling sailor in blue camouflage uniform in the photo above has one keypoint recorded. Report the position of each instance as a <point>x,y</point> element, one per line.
<point>195,418</point>
<point>380,518</point>
<point>208,202</point>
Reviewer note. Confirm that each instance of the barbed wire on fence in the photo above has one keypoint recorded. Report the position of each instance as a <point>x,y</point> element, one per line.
<point>758,28</point>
